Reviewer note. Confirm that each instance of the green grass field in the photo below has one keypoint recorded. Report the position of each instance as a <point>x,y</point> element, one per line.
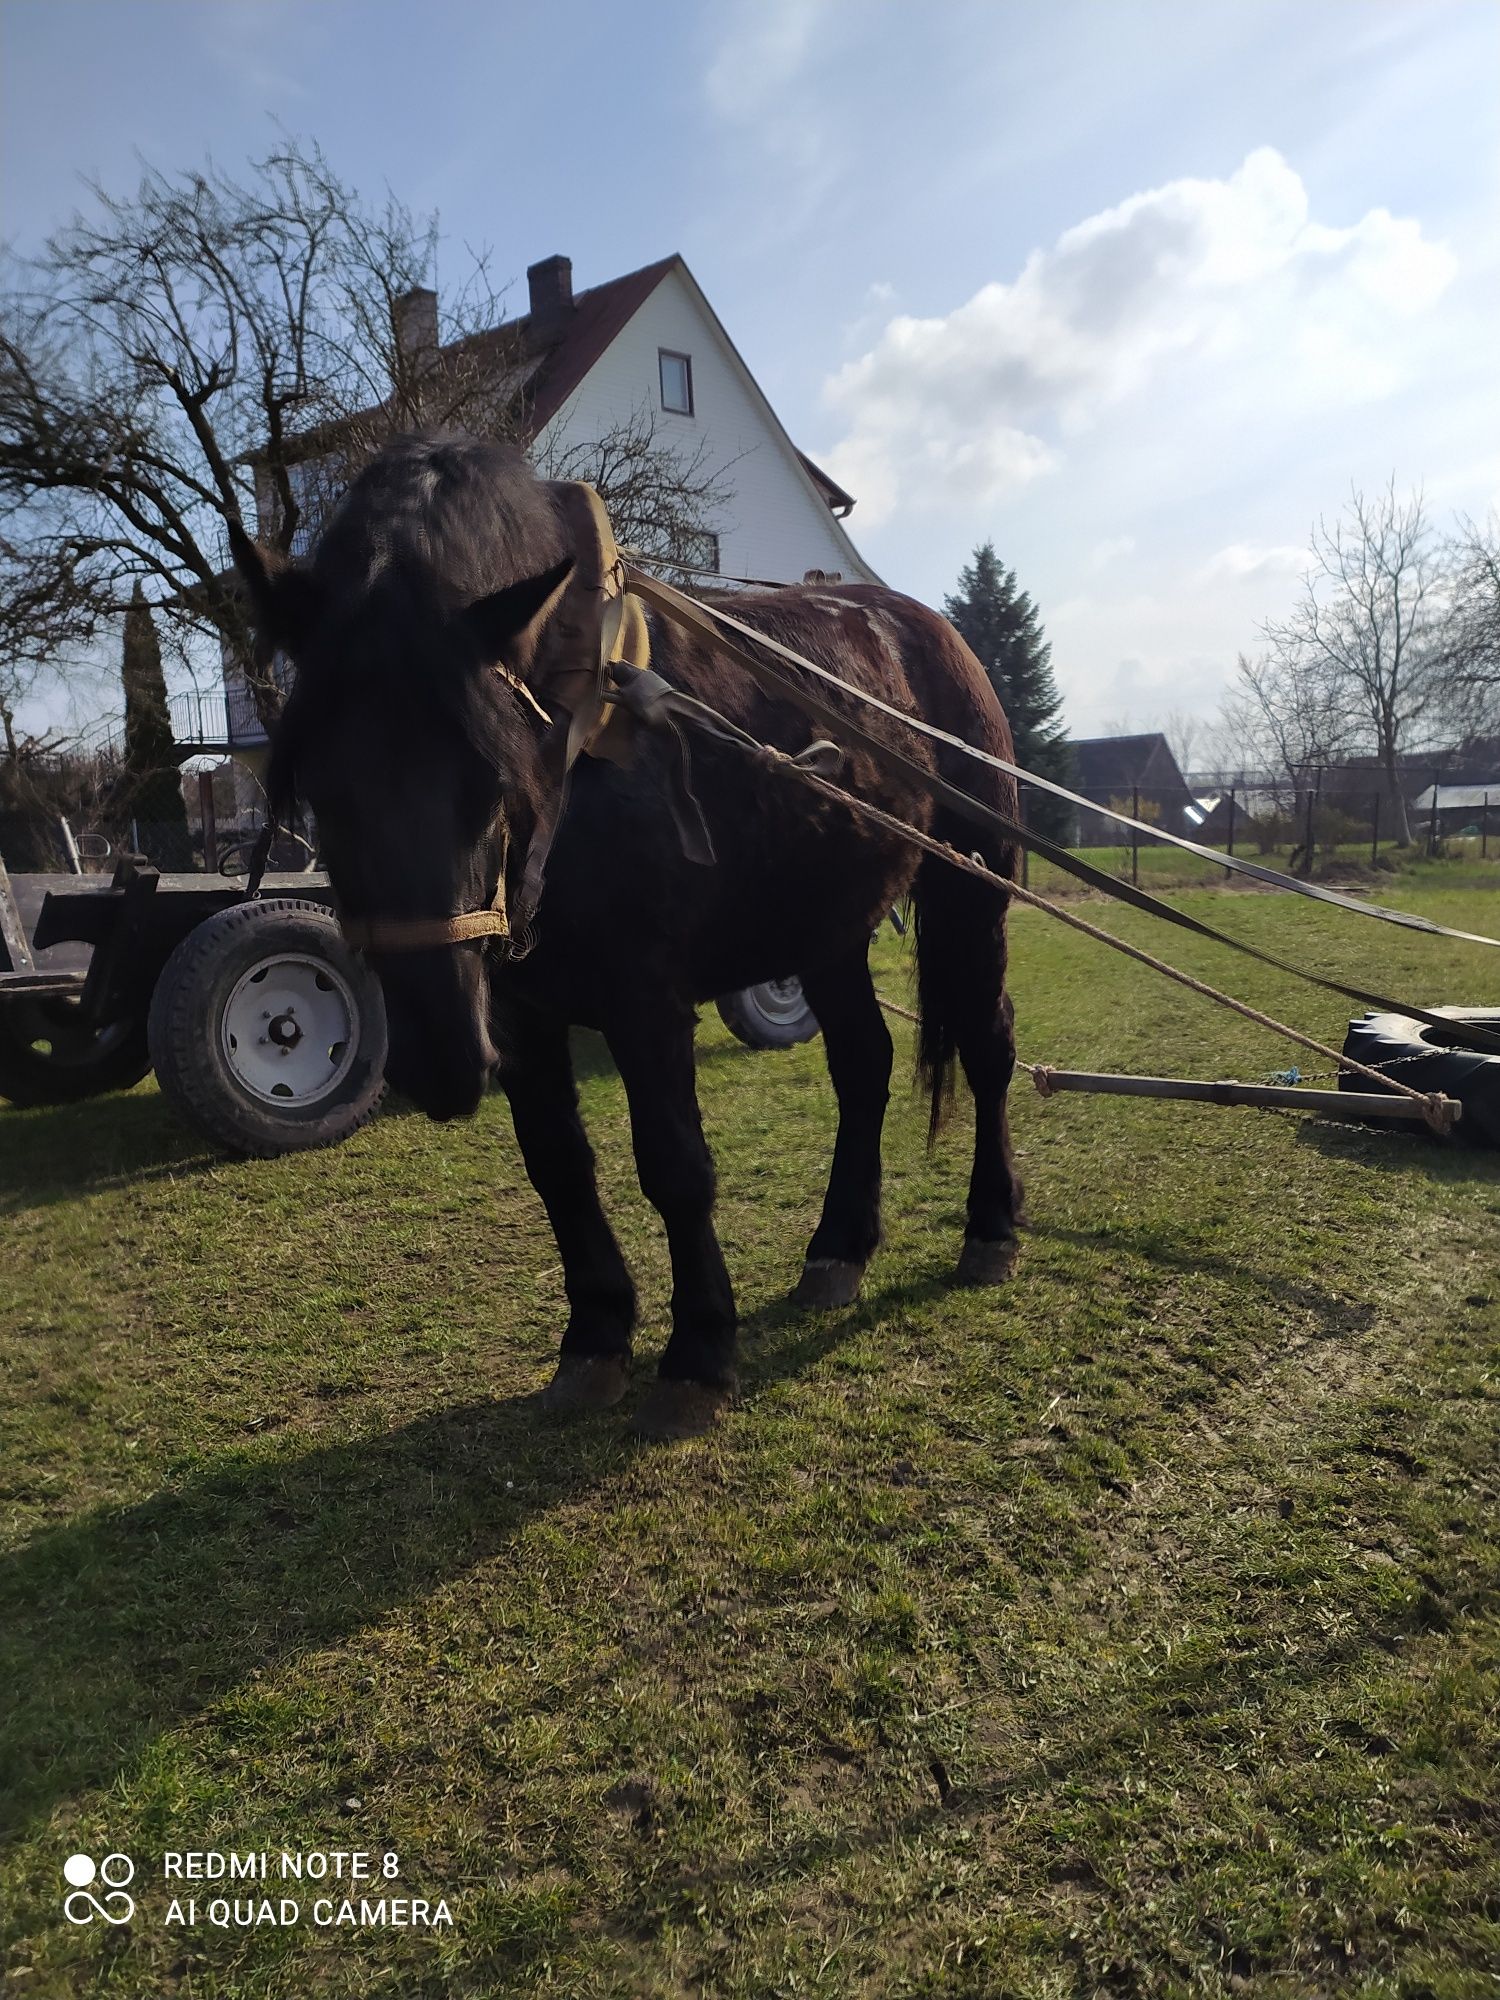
<point>1132,1631</point>
<point>1161,867</point>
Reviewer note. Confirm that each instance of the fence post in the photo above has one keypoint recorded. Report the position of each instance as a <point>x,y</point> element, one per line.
<point>1230,871</point>
<point>1307,836</point>
<point>1484,829</point>
<point>210,824</point>
<point>1432,825</point>
<point>1374,829</point>
<point>1135,834</point>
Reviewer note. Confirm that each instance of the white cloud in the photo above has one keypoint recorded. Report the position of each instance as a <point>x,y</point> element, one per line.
<point>763,51</point>
<point>1196,290</point>
<point>1246,559</point>
<point>1113,549</point>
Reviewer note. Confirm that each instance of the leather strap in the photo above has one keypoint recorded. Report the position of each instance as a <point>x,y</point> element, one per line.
<point>421,933</point>
<point>387,934</point>
<point>713,623</point>
<point>774,680</point>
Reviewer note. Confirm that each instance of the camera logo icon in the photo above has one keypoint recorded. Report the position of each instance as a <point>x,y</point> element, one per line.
<point>113,1872</point>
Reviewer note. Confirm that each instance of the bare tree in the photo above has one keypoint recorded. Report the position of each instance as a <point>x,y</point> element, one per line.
<point>212,350</point>
<point>1288,714</point>
<point>197,340</point>
<point>1366,644</point>
<point>48,615</point>
<point>1474,624</point>
<point>662,497</point>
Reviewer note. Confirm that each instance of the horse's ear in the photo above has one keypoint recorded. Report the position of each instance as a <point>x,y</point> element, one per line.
<point>284,598</point>
<point>498,620</point>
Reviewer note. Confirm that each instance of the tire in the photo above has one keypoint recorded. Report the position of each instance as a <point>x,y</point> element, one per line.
<point>1427,1061</point>
<point>49,1056</point>
<point>297,1084</point>
<point>773,1015</point>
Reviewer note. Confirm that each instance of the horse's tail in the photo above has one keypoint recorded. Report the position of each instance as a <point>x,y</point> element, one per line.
<point>960,921</point>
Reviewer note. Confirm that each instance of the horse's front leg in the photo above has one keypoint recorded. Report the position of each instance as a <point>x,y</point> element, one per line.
<point>593,1369</point>
<point>654,1053</point>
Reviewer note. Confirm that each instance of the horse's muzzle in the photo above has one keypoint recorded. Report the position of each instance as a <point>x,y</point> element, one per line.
<point>440,1053</point>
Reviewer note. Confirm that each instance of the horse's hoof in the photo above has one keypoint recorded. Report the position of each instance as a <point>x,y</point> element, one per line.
<point>674,1409</point>
<point>982,1263</point>
<point>586,1382</point>
<point>827,1282</point>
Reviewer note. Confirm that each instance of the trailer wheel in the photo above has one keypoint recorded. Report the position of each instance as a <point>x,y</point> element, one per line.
<point>268,1034</point>
<point>773,1015</point>
<point>49,1055</point>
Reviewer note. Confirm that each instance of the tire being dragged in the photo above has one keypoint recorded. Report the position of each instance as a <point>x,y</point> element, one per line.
<point>1423,1057</point>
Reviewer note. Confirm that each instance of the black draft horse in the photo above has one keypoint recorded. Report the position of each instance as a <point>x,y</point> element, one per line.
<point>426,771</point>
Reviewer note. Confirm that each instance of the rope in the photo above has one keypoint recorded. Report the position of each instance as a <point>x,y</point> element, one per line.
<point>702,569</point>
<point>848,729</point>
<point>1435,1109</point>
<point>905,1012</point>
<point>713,616</point>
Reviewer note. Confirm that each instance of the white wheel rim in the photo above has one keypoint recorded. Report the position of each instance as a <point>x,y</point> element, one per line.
<point>290,1031</point>
<point>780,1000</point>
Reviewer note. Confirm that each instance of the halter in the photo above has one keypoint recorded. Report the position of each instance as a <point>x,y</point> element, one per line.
<point>423,933</point>
<point>386,934</point>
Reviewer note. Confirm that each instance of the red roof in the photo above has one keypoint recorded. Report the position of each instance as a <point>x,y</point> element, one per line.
<point>545,372</point>
<point>598,315</point>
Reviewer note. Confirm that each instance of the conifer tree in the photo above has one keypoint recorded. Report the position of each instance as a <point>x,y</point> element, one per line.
<point>1003,628</point>
<point>150,791</point>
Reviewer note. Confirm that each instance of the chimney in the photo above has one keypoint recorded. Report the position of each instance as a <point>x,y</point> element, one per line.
<point>416,322</point>
<point>551,286</point>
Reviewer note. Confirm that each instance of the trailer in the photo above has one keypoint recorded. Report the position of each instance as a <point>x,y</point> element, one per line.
<point>266,1032</point>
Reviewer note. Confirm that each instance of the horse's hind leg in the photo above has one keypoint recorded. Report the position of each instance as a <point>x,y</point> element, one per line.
<point>961,954</point>
<point>858,1047</point>
<point>987,1050</point>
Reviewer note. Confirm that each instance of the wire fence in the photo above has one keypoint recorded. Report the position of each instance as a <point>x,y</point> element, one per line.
<point>1321,826</point>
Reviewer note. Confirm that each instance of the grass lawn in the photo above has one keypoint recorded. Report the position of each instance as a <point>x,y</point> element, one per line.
<point>1162,867</point>
<point>1132,1631</point>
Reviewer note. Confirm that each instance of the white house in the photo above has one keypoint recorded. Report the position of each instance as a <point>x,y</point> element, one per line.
<point>645,345</point>
<point>651,341</point>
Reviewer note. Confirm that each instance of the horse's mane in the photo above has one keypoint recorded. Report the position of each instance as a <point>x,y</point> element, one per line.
<point>434,522</point>
<point>465,514</point>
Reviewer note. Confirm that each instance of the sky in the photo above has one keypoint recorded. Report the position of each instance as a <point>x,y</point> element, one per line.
<point>1136,289</point>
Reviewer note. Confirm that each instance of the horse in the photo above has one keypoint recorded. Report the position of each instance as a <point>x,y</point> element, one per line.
<point>413,736</point>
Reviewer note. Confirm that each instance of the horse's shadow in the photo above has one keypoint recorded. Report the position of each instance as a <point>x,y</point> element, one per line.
<point>119,1625</point>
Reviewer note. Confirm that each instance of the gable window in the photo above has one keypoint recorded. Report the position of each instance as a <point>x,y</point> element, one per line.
<point>676,381</point>
<point>700,551</point>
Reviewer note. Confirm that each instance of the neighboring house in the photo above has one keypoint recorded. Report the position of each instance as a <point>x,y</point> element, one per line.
<point>1238,812</point>
<point>1118,772</point>
<point>645,347</point>
<point>1457,808</point>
